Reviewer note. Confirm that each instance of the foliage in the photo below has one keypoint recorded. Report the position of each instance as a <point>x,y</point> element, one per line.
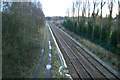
<point>20,23</point>
<point>96,32</point>
<point>85,29</point>
<point>113,37</point>
<point>90,27</point>
<point>68,24</point>
<point>103,33</point>
<point>75,25</point>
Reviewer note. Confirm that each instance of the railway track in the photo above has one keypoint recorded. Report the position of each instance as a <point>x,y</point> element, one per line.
<point>85,65</point>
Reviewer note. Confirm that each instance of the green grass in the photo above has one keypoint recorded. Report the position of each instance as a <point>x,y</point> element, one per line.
<point>56,63</point>
<point>45,58</point>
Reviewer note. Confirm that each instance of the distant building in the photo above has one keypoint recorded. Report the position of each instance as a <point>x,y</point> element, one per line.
<point>60,21</point>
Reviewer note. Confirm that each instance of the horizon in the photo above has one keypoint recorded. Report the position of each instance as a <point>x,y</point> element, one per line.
<point>50,10</point>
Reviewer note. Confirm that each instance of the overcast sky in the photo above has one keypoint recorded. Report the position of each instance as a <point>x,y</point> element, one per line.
<point>59,7</point>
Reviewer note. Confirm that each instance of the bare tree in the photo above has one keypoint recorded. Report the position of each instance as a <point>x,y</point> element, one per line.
<point>73,11</point>
<point>78,4</point>
<point>88,9</point>
<point>110,6</point>
<point>95,3</point>
<point>118,22</point>
<point>84,9</point>
<point>102,4</point>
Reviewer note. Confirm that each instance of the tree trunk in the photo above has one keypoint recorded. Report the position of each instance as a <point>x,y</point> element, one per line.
<point>118,22</point>
<point>73,12</point>
<point>88,10</point>
<point>78,18</point>
<point>101,21</point>
<point>109,25</point>
<point>93,20</point>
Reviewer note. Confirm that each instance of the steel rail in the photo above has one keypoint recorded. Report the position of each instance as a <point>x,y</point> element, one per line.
<point>93,63</point>
<point>69,43</point>
<point>78,59</point>
<point>87,58</point>
<point>59,51</point>
<point>75,75</point>
<point>117,76</point>
<point>67,54</point>
<point>63,62</point>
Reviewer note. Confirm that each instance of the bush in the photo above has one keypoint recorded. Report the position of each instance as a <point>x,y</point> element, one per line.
<point>84,28</point>
<point>103,33</point>
<point>75,28</point>
<point>81,25</point>
<point>113,37</point>
<point>99,36</point>
<point>90,27</point>
<point>68,24</point>
<point>96,32</point>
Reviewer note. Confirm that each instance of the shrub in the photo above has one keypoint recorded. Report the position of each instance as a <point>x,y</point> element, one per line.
<point>68,24</point>
<point>103,33</point>
<point>113,37</point>
<point>96,32</point>
<point>81,24</point>
<point>75,26</point>
<point>90,27</point>
<point>84,28</point>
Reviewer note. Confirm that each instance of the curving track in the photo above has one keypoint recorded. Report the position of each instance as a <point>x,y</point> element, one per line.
<point>80,63</point>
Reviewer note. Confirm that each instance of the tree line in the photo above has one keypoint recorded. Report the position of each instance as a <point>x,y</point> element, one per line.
<point>20,24</point>
<point>98,29</point>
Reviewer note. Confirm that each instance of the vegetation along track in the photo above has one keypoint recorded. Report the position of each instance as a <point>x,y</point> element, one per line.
<point>85,65</point>
<point>48,66</point>
<point>37,70</point>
